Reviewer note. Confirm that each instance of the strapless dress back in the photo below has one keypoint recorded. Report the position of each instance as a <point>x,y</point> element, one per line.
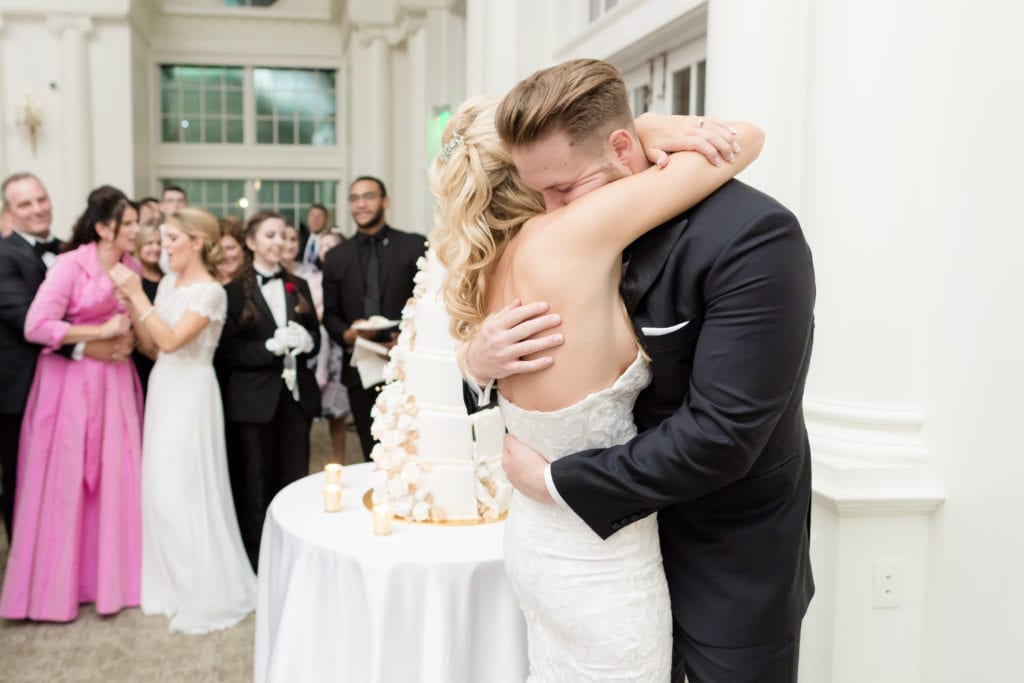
<point>595,610</point>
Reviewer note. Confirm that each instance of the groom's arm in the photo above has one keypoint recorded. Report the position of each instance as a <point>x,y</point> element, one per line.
<point>750,358</point>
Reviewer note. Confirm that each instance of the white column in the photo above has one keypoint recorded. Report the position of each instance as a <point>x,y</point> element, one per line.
<point>492,30</point>
<point>76,135</point>
<point>821,67</point>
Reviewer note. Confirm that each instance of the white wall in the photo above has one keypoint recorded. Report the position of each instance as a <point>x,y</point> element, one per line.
<point>972,363</point>
<point>33,56</point>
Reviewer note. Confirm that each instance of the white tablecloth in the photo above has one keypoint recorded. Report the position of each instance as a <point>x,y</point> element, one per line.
<point>337,603</point>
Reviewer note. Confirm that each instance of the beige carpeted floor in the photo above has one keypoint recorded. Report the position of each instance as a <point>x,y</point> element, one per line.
<point>130,646</point>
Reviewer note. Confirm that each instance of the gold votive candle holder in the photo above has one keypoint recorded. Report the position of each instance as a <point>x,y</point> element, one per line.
<point>382,516</point>
<point>332,472</point>
<point>332,498</point>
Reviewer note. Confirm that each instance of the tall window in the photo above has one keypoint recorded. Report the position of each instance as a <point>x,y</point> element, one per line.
<point>201,104</point>
<point>219,197</point>
<point>294,106</point>
<point>292,198</point>
<point>208,104</point>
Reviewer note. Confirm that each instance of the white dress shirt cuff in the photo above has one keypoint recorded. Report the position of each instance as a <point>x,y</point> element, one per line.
<point>78,353</point>
<point>552,490</point>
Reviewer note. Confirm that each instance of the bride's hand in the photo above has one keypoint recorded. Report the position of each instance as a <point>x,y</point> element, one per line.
<point>661,134</point>
<point>497,349</point>
<point>126,280</point>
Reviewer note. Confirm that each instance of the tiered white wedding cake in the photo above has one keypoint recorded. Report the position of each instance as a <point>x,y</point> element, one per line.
<point>435,461</point>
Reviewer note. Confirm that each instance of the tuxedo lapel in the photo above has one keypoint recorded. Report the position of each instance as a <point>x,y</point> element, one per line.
<point>266,315</point>
<point>647,257</point>
<point>35,268</point>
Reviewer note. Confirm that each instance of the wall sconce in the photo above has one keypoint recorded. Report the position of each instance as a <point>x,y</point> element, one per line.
<point>29,113</point>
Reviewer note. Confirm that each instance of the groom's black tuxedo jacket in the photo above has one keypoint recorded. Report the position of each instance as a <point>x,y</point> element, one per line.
<point>722,454</point>
<point>253,373</point>
<point>21,272</point>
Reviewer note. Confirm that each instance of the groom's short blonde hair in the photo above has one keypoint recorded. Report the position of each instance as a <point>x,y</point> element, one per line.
<point>584,98</point>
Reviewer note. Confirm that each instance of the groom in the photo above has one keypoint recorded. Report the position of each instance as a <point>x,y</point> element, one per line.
<point>722,300</point>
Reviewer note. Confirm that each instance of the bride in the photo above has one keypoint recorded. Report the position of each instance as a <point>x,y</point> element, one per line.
<point>194,568</point>
<point>595,610</point>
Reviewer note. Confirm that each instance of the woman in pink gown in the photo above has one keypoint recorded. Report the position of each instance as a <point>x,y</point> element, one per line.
<point>78,518</point>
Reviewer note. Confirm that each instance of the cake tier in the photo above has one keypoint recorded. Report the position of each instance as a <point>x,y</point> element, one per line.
<point>433,379</point>
<point>432,327</point>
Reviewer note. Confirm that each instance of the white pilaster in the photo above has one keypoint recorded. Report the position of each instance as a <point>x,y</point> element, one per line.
<point>72,32</point>
<point>875,486</point>
<point>491,48</point>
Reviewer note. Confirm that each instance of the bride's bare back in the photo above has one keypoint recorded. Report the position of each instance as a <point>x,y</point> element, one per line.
<point>599,340</point>
<point>571,258</point>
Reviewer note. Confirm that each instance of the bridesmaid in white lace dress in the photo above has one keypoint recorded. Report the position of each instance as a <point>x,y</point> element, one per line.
<point>595,610</point>
<point>194,568</point>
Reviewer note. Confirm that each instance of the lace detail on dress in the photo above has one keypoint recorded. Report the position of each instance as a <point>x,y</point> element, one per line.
<point>595,610</point>
<point>208,299</point>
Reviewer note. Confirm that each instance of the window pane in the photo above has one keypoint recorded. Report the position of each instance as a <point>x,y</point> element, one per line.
<point>264,106</point>
<point>306,128</point>
<point>192,131</point>
<point>701,76</point>
<point>171,126</point>
<point>233,131</point>
<point>190,101</point>
<point>215,193</point>
<point>323,136</point>
<point>285,132</point>
<point>233,102</point>
<point>306,193</point>
<point>214,131</point>
<point>265,132</point>
<point>285,192</point>
<point>169,101</point>
<point>266,194</point>
<point>299,105</point>
<point>212,101</point>
<point>211,76</point>
<point>681,91</point>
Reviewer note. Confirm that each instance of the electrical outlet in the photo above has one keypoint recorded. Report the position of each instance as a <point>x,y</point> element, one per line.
<point>887,588</point>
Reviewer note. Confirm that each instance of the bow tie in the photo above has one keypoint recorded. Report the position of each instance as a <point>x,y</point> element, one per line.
<point>264,279</point>
<point>43,246</point>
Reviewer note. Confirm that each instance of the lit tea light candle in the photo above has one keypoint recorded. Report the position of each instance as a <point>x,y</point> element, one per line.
<point>333,473</point>
<point>332,498</point>
<point>382,515</point>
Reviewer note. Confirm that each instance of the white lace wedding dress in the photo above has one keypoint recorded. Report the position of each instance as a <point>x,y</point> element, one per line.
<point>194,568</point>
<point>596,610</point>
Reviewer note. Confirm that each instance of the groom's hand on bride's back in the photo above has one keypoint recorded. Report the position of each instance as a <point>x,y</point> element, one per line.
<point>505,337</point>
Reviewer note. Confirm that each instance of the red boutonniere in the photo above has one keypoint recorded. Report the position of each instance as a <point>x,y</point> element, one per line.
<point>289,287</point>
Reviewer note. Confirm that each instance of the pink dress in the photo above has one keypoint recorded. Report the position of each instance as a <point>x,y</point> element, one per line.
<point>78,528</point>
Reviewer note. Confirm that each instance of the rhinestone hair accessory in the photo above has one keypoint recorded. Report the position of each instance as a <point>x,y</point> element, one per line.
<point>446,152</point>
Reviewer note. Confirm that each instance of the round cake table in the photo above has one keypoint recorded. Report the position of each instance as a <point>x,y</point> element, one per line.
<point>338,603</point>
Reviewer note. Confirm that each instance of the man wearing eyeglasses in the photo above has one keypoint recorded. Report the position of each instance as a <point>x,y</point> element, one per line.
<point>368,275</point>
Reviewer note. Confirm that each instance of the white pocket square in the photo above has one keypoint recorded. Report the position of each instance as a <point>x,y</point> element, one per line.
<point>662,331</point>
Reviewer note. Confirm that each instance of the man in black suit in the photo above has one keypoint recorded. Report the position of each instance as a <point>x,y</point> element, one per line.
<point>310,234</point>
<point>25,255</point>
<point>370,274</point>
<point>722,300</point>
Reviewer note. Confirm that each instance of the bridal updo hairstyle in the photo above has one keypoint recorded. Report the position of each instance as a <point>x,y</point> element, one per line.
<point>481,204</point>
<point>200,224</point>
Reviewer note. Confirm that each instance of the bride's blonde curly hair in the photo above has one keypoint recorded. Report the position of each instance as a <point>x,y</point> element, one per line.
<point>481,204</point>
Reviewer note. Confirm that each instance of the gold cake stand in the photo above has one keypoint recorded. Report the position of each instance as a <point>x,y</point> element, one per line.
<point>368,503</point>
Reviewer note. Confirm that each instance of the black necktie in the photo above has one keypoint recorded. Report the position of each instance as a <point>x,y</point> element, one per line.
<point>264,279</point>
<point>371,297</point>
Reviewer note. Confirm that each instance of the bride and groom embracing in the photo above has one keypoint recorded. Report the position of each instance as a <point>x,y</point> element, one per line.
<point>673,384</point>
